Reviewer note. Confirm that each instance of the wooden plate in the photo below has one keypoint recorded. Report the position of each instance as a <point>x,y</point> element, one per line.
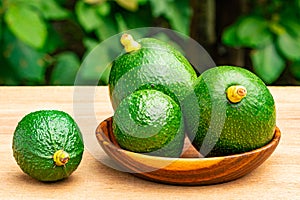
<point>189,169</point>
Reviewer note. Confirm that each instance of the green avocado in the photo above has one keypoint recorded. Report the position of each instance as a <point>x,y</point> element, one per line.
<point>153,65</point>
<point>150,122</point>
<point>235,112</point>
<point>48,145</point>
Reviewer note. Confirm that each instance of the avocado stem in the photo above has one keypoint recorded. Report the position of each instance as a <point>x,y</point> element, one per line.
<point>61,157</point>
<point>236,93</point>
<point>129,43</point>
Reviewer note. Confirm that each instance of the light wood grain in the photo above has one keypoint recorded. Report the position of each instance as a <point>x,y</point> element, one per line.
<point>276,178</point>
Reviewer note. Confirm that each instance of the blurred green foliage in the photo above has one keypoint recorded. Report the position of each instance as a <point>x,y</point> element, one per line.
<point>44,42</point>
<point>41,39</point>
<point>272,31</point>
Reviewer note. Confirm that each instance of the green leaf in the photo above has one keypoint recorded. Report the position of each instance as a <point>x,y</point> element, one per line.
<point>267,63</point>
<point>289,46</point>
<point>65,69</point>
<point>295,69</point>
<point>143,19</point>
<point>87,16</point>
<point>7,74</point>
<point>254,32</point>
<point>121,22</point>
<point>90,43</point>
<point>292,27</point>
<point>27,25</point>
<point>107,28</point>
<point>27,62</point>
<point>104,9</point>
<point>1,28</point>
<point>180,16</point>
<point>53,42</point>
<point>298,3</point>
<point>160,7</point>
<point>51,10</point>
<point>97,63</point>
<point>142,2</point>
<point>229,36</point>
<point>178,13</point>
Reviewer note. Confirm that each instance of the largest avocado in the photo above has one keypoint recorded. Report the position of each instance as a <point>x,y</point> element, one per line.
<point>222,125</point>
<point>155,65</point>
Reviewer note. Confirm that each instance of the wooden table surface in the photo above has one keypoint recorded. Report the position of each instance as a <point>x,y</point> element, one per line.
<point>277,178</point>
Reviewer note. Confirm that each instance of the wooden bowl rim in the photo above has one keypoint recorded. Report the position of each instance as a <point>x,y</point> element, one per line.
<point>101,137</point>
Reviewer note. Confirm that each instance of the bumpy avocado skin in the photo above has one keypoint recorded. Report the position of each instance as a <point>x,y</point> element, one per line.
<point>150,122</point>
<point>38,136</point>
<point>157,65</point>
<point>218,127</point>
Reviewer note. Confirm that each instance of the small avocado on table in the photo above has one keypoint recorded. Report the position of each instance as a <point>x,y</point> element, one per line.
<point>48,145</point>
